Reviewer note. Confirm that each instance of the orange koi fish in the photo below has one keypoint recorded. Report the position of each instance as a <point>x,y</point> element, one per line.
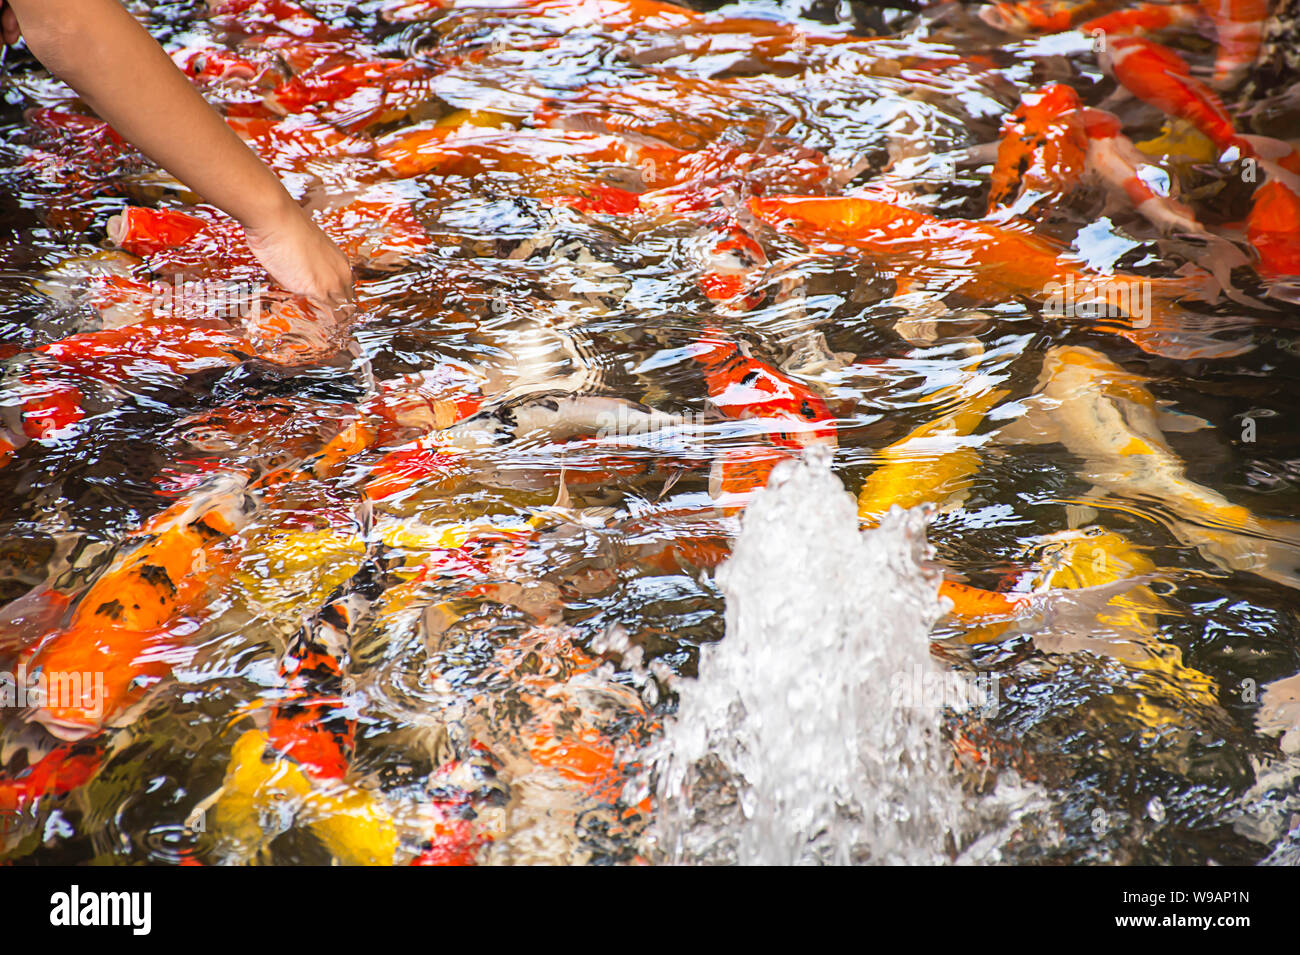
<point>1043,146</point>
<point>1028,17</point>
<point>1160,77</point>
<point>423,462</point>
<point>120,626</point>
<point>146,348</point>
<point>285,144</point>
<point>1273,225</point>
<point>469,151</point>
<point>986,261</point>
<point>740,472</point>
<point>57,773</point>
<point>1144,18</point>
<point>375,229</point>
<point>685,113</point>
<point>354,95</point>
<point>972,603</point>
<point>741,386</point>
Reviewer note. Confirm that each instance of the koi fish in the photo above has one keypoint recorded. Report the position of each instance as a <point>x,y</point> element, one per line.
<point>1051,142</point>
<point>57,773</point>
<point>375,228</point>
<point>265,19</point>
<point>312,725</point>
<point>1043,146</point>
<point>935,463</point>
<point>117,355</point>
<point>1124,628</point>
<point>988,261</point>
<point>171,241</point>
<point>42,408</point>
<point>120,626</point>
<point>207,65</point>
<point>141,231</point>
<point>558,416</point>
<point>354,95</point>
<point>286,144</point>
<point>973,604</point>
<point>1160,77</point>
<point>685,113</point>
<point>423,462</point>
<point>1239,26</point>
<point>1117,162</point>
<point>76,152</point>
<point>1143,18</point>
<point>260,784</point>
<point>1273,225</point>
<point>467,150</point>
<point>1106,417</point>
<point>741,386</point>
<point>1027,17</point>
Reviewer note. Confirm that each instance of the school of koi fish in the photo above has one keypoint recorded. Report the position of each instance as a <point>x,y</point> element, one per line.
<point>417,583</point>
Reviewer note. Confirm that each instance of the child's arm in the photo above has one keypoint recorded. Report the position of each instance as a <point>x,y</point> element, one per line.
<point>99,49</point>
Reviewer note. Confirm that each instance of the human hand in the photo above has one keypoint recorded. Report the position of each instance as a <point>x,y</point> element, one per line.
<point>300,257</point>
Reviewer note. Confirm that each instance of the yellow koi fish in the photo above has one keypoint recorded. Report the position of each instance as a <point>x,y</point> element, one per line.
<point>934,464</point>
<point>1106,417</point>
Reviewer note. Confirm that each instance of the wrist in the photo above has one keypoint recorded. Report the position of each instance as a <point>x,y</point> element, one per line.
<point>277,214</point>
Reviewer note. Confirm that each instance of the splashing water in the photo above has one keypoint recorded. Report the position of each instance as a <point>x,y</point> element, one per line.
<point>792,746</point>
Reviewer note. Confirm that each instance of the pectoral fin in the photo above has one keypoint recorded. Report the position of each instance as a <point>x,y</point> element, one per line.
<point>1179,422</point>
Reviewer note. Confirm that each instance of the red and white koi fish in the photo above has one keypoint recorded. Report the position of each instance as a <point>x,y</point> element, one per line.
<point>741,386</point>
<point>1239,26</point>
<point>40,409</point>
<point>1051,142</point>
<point>263,19</point>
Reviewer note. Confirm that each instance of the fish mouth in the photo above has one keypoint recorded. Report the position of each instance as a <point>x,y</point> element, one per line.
<point>66,728</point>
